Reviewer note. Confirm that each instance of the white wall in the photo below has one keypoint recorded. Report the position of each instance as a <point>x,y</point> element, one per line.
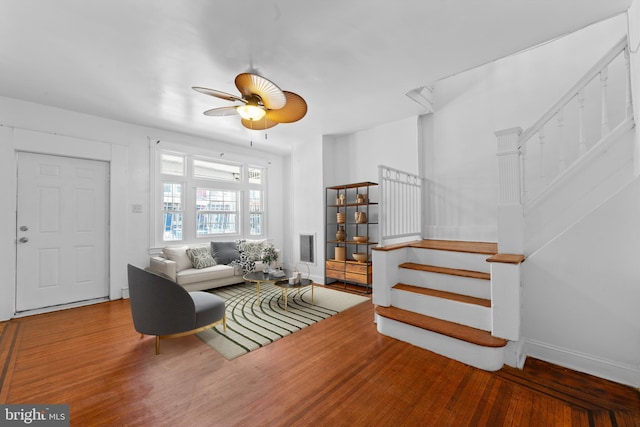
<point>393,144</point>
<point>126,147</point>
<point>633,24</point>
<point>307,202</point>
<point>469,107</point>
<point>581,293</point>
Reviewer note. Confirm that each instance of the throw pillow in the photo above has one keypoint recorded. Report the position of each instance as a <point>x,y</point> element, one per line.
<point>179,255</point>
<point>224,252</point>
<point>248,265</point>
<point>252,249</point>
<point>201,257</point>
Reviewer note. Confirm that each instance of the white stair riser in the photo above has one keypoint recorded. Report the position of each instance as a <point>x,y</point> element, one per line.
<point>487,358</point>
<point>460,260</point>
<point>453,311</point>
<point>470,286</point>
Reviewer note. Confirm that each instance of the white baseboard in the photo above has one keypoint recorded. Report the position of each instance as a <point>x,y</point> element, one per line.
<point>600,367</point>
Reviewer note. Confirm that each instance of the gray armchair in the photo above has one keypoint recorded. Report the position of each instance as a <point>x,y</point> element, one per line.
<point>165,309</point>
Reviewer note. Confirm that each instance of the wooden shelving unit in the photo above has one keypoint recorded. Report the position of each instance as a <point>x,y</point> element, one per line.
<point>341,268</point>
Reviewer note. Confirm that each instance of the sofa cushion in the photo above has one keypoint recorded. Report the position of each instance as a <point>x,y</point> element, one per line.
<point>201,257</point>
<point>179,255</point>
<point>224,252</point>
<point>247,265</point>
<point>193,275</point>
<point>252,249</point>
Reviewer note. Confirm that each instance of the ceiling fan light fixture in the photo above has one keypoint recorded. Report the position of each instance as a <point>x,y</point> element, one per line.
<point>251,112</point>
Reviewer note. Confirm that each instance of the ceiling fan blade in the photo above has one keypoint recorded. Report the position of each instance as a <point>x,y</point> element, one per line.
<point>258,124</point>
<point>221,112</point>
<point>293,110</point>
<point>218,94</point>
<point>252,84</point>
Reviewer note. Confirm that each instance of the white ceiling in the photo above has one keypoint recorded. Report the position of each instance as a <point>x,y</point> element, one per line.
<point>352,60</point>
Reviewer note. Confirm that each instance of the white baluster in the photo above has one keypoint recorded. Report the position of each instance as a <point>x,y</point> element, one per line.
<point>604,128</point>
<point>562,162</point>
<point>628,106</point>
<point>541,137</point>
<point>582,148</point>
<point>522,149</point>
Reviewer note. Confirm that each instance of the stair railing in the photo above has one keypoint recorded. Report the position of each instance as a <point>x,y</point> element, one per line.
<point>591,110</point>
<point>400,210</point>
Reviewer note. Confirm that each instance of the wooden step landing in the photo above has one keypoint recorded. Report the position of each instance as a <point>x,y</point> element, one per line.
<point>443,327</point>
<point>487,248</point>
<point>446,270</point>
<point>443,294</point>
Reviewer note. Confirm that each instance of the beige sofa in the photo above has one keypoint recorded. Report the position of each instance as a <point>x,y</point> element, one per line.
<point>230,264</point>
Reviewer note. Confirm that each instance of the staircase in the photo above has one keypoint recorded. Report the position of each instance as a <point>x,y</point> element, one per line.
<point>441,300</point>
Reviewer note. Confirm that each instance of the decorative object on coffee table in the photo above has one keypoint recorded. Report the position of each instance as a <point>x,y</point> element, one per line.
<point>269,256</point>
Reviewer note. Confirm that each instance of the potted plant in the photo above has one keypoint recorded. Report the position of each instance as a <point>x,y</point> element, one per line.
<point>269,255</point>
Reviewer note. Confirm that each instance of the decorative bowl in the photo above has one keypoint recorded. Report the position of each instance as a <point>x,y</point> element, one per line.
<point>360,256</point>
<point>360,239</point>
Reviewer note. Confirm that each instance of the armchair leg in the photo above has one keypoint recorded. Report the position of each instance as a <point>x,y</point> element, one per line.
<point>224,323</point>
<point>157,345</point>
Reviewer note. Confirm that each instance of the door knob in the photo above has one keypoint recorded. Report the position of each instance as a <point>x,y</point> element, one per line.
<point>23,240</point>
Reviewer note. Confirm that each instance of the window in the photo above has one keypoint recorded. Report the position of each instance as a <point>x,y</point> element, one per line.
<point>213,170</point>
<point>172,165</point>
<point>216,212</point>
<point>256,213</point>
<point>255,175</point>
<point>172,211</point>
<point>200,198</point>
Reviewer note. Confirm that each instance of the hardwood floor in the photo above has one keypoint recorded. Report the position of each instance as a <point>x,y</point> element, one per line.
<point>338,372</point>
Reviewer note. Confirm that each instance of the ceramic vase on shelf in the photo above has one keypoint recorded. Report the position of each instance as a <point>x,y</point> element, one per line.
<point>341,234</point>
<point>340,253</point>
<point>341,217</point>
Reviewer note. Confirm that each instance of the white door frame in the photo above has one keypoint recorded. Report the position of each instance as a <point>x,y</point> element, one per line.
<point>13,140</point>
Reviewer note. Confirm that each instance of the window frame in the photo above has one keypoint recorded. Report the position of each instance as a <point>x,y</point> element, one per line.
<point>190,184</point>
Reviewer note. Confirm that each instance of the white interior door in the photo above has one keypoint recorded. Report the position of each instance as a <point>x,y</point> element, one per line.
<point>63,228</point>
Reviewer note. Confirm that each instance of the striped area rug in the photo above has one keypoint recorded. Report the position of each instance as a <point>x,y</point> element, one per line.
<point>251,325</point>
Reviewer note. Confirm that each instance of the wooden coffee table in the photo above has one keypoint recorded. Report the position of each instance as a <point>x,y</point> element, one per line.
<point>284,285</point>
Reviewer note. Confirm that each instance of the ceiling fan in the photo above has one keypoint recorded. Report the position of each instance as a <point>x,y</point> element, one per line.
<point>263,104</point>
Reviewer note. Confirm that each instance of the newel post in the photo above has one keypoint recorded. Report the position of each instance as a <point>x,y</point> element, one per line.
<point>505,266</point>
<point>511,194</point>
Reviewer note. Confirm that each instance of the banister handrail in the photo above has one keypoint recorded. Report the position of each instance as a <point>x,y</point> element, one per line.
<point>573,91</point>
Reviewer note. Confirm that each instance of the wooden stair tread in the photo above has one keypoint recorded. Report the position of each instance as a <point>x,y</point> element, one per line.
<point>446,270</point>
<point>487,248</point>
<point>507,258</point>
<point>443,294</point>
<point>450,329</point>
